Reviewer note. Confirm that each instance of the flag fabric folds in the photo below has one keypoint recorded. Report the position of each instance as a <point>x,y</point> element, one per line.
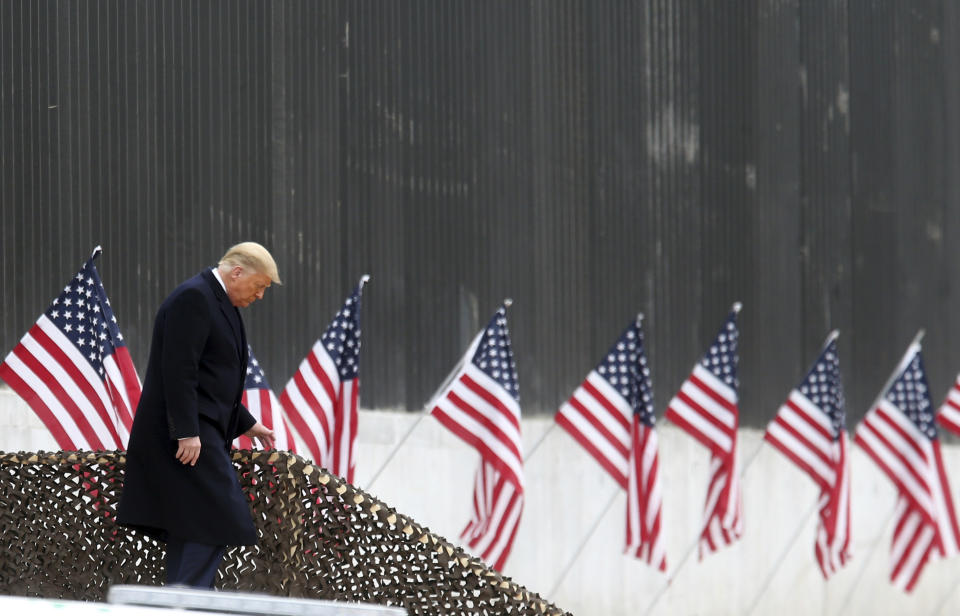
<point>949,414</point>
<point>74,370</point>
<point>706,408</point>
<point>900,435</point>
<point>598,415</point>
<point>264,406</point>
<point>611,415</point>
<point>497,506</point>
<point>481,405</point>
<point>321,398</point>
<point>810,429</point>
<point>644,499</point>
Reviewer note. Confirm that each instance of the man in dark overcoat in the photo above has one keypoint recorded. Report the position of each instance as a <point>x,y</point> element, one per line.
<point>180,485</point>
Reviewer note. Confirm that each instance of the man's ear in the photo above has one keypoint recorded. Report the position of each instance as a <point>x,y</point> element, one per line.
<point>236,272</point>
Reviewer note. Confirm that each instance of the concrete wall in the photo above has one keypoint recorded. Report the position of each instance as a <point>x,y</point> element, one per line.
<point>430,479</point>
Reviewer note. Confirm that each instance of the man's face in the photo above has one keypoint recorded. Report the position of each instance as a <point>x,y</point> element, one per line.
<point>245,288</point>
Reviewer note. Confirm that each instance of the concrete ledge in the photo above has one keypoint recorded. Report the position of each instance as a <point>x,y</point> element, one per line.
<point>241,603</point>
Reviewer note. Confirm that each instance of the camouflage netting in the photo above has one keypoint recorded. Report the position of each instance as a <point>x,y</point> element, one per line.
<point>320,537</point>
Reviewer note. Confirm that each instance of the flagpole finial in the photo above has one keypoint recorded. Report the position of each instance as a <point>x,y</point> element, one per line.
<point>833,335</point>
<point>364,279</point>
<point>507,302</point>
<point>914,347</point>
<point>97,250</point>
<point>639,317</point>
<point>737,306</point>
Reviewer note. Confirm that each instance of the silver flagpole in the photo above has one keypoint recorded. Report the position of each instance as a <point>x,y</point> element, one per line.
<point>866,560</point>
<point>554,424</point>
<point>540,440</point>
<point>430,403</point>
<point>756,600</point>
<point>914,345</point>
<point>423,413</point>
<point>576,553</point>
<point>737,306</point>
<point>393,451</point>
<point>596,523</point>
<point>832,336</point>
<point>696,542</point>
<point>780,560</point>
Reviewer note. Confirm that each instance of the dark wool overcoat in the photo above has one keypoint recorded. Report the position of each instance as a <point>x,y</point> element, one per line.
<point>193,387</point>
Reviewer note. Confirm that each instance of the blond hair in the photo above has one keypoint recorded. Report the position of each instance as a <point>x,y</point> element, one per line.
<point>252,257</point>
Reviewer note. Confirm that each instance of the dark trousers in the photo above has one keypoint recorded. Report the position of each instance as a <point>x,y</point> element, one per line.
<point>192,564</point>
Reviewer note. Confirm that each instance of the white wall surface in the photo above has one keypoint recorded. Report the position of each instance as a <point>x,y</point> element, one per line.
<point>431,479</point>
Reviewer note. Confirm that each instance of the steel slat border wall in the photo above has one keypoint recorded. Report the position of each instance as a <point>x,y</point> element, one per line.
<point>589,159</point>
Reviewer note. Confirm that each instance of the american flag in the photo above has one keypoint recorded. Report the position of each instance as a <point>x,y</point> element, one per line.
<point>73,368</point>
<point>599,414</point>
<point>320,400</point>
<point>497,507</point>
<point>949,414</point>
<point>706,408</point>
<point>643,493</point>
<point>810,429</point>
<point>481,405</point>
<point>900,435</point>
<point>611,415</point>
<point>263,405</point>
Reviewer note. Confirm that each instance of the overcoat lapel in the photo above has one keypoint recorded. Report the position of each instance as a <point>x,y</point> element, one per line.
<point>230,313</point>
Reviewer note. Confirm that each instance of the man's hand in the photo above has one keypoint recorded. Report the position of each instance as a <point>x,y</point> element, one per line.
<point>188,450</point>
<point>262,433</point>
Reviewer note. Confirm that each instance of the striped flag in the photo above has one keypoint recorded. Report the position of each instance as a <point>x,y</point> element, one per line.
<point>611,415</point>
<point>706,408</point>
<point>810,429</point>
<point>598,415</point>
<point>481,405</point>
<point>497,507</point>
<point>900,435</point>
<point>643,478</point>
<point>320,400</point>
<point>263,405</point>
<point>74,370</point>
<point>949,414</point>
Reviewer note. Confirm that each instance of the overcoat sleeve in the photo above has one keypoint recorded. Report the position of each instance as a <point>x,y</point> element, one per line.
<point>185,332</point>
<point>245,422</point>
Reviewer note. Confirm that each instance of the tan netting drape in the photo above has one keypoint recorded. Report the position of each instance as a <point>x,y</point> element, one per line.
<point>320,537</point>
